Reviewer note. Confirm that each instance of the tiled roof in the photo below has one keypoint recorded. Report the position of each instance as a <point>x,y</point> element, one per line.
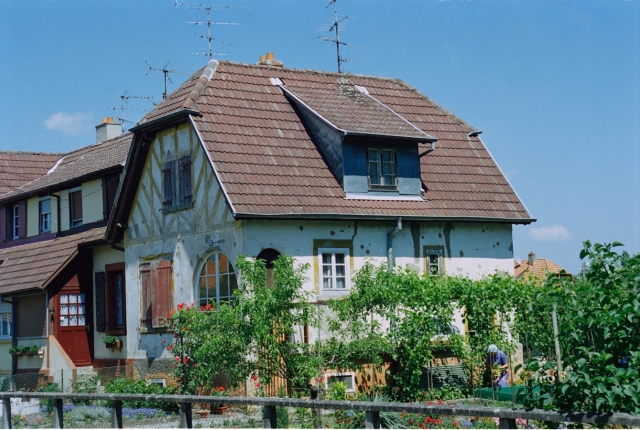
<point>19,167</point>
<point>269,165</point>
<point>538,269</point>
<point>76,164</point>
<point>28,267</point>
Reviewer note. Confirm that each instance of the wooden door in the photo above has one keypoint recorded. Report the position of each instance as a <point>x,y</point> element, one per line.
<point>73,323</point>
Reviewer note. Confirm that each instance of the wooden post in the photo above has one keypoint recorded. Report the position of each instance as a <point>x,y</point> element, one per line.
<point>116,414</point>
<point>507,423</point>
<point>269,418</point>
<point>185,416</point>
<point>6,413</point>
<point>372,419</point>
<point>57,414</point>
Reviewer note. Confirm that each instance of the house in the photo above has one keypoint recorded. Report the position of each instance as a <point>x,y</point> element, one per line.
<point>333,169</point>
<point>53,257</point>
<point>535,268</point>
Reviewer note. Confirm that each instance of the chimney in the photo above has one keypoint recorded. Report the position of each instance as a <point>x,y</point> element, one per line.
<point>269,60</point>
<point>532,258</point>
<point>107,130</point>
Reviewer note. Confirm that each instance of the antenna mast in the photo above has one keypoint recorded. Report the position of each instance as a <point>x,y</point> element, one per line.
<point>166,72</point>
<point>122,108</point>
<point>209,23</point>
<point>335,27</point>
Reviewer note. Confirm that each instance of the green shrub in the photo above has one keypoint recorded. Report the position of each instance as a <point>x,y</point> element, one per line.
<point>140,386</point>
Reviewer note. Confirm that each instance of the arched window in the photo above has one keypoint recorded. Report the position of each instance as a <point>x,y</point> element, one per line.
<point>217,280</point>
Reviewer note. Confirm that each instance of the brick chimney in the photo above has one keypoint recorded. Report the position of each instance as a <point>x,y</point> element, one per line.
<point>269,60</point>
<point>532,258</point>
<point>107,130</point>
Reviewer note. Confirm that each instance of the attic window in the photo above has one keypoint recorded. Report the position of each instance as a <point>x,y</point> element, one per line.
<point>176,179</point>
<point>382,168</point>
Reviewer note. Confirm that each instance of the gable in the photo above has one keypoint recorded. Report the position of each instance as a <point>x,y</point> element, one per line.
<point>147,219</point>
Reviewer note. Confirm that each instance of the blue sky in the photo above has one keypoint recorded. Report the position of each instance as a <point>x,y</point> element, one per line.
<point>554,85</point>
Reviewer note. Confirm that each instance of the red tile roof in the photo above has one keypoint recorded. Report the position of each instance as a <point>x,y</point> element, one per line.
<point>269,165</point>
<point>76,164</point>
<point>538,269</point>
<point>18,167</point>
<point>29,267</point>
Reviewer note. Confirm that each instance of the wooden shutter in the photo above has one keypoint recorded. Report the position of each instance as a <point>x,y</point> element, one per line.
<point>31,316</point>
<point>168,177</point>
<point>22,222</point>
<point>101,302</point>
<point>162,292</point>
<point>3,223</point>
<point>146,292</point>
<point>184,166</point>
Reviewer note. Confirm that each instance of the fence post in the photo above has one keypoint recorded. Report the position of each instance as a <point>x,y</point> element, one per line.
<point>185,416</point>
<point>372,419</point>
<point>116,414</point>
<point>269,418</point>
<point>6,413</point>
<point>507,423</point>
<point>57,414</point>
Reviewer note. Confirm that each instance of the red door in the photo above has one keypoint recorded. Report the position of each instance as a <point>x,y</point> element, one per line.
<point>73,323</point>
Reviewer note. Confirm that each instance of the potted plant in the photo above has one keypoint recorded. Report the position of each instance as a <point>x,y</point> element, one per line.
<point>112,341</point>
<point>219,408</point>
<point>25,350</point>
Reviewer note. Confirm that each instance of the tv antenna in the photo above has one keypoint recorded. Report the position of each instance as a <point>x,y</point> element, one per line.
<point>337,25</point>
<point>166,72</point>
<point>123,108</point>
<point>209,23</point>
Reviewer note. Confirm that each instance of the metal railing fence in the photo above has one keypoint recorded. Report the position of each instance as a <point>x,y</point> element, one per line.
<point>372,410</point>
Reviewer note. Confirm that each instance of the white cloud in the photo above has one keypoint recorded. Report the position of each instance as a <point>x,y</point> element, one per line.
<point>68,123</point>
<point>552,233</point>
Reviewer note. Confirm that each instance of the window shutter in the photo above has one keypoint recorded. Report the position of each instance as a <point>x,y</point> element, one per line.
<point>3,223</point>
<point>168,175</point>
<point>31,316</point>
<point>22,222</point>
<point>162,292</point>
<point>147,295</point>
<point>101,302</point>
<point>185,180</point>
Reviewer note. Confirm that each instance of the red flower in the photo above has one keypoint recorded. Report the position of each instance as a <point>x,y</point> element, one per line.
<point>255,377</point>
<point>429,403</point>
<point>169,348</point>
<point>220,388</point>
<point>455,423</point>
<point>258,385</point>
<point>185,360</point>
<point>439,402</point>
<point>201,308</point>
<point>177,358</point>
<point>208,307</point>
<point>171,366</point>
<point>180,305</point>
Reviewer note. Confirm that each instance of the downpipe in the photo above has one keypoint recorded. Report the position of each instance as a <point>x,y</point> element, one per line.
<point>390,243</point>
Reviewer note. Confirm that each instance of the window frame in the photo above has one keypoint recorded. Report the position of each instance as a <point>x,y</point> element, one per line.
<point>73,221</point>
<point>334,276</point>
<point>382,186</point>
<point>111,271</point>
<point>231,271</point>
<point>8,315</point>
<point>41,219</point>
<point>15,222</point>
<point>339,378</point>
<point>430,250</point>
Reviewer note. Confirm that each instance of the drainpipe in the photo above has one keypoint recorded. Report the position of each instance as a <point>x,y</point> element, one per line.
<point>58,220</point>
<point>390,243</point>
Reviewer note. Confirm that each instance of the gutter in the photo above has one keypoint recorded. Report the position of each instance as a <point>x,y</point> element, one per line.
<point>390,243</point>
<point>161,122</point>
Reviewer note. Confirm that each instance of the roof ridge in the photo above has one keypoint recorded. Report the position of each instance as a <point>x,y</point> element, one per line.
<point>31,152</point>
<point>201,84</point>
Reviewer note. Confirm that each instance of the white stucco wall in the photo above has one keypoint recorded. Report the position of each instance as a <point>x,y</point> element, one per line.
<point>33,209</point>
<point>64,209</point>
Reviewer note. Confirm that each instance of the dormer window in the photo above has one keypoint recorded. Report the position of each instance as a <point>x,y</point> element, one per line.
<point>45,214</point>
<point>382,168</point>
<point>75,207</point>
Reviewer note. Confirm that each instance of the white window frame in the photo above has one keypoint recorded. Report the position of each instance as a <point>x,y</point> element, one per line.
<point>427,254</point>
<point>6,316</point>
<point>41,218</point>
<point>216,277</point>
<point>342,375</point>
<point>347,270</point>
<point>15,234</point>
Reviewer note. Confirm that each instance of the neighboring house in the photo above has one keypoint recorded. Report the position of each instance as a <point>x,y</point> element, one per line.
<point>535,268</point>
<point>332,169</point>
<point>52,249</point>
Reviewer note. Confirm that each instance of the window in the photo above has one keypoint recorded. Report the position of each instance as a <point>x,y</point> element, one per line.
<point>177,187</point>
<point>156,280</point>
<point>75,207</point>
<point>347,378</point>
<point>382,168</point>
<point>334,269</point>
<point>433,260</point>
<point>109,189</point>
<point>6,324</point>
<point>116,299</point>
<point>15,225</point>
<point>45,214</point>
<point>217,280</point>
